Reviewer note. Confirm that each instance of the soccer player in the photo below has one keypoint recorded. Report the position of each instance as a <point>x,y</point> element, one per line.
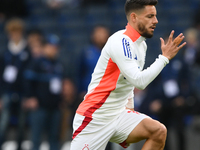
<point>107,111</point>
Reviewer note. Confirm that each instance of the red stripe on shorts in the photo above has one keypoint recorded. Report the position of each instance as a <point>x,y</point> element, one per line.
<point>124,144</point>
<point>85,122</point>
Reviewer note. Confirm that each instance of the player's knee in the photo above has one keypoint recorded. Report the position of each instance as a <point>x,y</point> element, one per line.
<point>160,133</point>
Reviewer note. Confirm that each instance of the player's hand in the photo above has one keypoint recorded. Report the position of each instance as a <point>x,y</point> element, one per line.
<point>171,48</point>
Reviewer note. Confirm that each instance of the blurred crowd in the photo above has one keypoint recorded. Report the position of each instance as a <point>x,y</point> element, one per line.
<point>36,94</point>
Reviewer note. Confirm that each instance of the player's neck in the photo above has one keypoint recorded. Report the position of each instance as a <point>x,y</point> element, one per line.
<point>131,33</point>
<point>134,26</point>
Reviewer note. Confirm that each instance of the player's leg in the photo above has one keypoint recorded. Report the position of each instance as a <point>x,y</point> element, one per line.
<point>153,131</point>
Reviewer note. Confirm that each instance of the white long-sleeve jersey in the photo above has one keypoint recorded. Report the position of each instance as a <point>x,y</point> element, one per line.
<point>118,71</point>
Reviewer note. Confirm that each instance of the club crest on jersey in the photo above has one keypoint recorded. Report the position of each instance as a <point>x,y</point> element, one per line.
<point>135,57</point>
<point>86,147</point>
<point>127,49</point>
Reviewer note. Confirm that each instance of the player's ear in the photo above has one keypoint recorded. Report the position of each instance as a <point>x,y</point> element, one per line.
<point>133,17</point>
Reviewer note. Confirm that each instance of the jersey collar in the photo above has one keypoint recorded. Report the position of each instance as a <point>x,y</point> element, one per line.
<point>133,34</point>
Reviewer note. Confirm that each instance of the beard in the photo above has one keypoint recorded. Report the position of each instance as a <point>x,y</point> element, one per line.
<point>143,31</point>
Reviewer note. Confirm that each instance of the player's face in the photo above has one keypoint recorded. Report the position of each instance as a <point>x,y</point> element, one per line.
<point>146,21</point>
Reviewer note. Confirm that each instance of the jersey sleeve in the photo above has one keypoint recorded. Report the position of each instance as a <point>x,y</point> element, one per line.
<point>129,67</point>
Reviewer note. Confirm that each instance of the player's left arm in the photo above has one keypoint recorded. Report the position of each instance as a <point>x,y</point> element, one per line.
<point>129,67</point>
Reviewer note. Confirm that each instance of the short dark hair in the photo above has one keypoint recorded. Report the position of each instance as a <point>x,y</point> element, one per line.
<point>137,4</point>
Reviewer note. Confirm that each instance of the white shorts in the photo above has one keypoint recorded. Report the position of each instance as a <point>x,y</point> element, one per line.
<point>91,134</point>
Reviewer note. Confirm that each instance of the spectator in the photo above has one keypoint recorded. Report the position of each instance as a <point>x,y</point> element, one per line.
<point>13,63</point>
<point>176,89</point>
<point>35,42</point>
<point>69,105</point>
<point>90,55</point>
<point>43,88</point>
<point>191,55</point>
<point>190,51</point>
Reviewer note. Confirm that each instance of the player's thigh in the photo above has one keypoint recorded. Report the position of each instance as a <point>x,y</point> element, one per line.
<point>144,130</point>
<point>126,122</point>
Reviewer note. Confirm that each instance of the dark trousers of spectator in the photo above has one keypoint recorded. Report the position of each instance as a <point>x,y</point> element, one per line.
<point>47,121</point>
<point>174,118</point>
<point>4,118</point>
<point>11,106</point>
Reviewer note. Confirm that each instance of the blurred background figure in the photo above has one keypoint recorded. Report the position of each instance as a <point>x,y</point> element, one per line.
<point>13,62</point>
<point>69,104</point>
<point>43,89</point>
<point>89,56</point>
<point>35,43</point>
<point>35,40</point>
<point>191,57</point>
<point>176,90</point>
<point>192,48</point>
